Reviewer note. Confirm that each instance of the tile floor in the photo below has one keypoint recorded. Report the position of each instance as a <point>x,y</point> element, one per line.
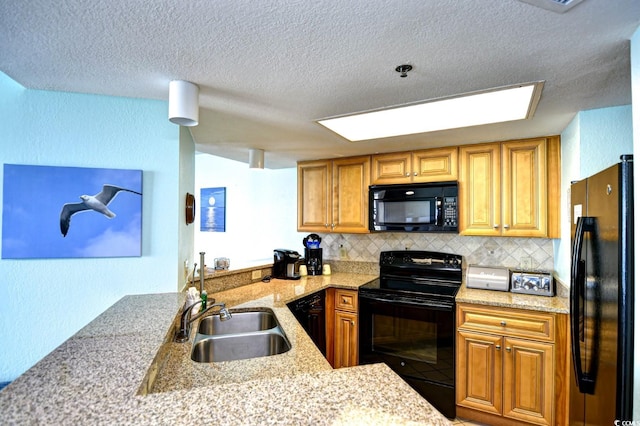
<point>465,422</point>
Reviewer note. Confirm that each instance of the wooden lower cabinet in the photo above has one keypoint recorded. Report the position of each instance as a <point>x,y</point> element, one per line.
<point>505,378</point>
<point>342,327</point>
<point>346,339</point>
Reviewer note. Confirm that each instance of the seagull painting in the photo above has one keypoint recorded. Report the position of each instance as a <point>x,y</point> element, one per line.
<point>98,203</point>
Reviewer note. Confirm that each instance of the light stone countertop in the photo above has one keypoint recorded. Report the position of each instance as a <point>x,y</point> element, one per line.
<point>95,377</point>
<point>507,299</point>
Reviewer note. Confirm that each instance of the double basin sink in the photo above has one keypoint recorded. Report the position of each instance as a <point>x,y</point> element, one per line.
<point>249,333</point>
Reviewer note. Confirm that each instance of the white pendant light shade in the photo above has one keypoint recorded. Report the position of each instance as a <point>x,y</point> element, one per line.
<point>183,103</point>
<point>256,158</point>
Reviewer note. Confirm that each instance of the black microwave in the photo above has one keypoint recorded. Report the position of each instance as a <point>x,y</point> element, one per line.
<point>419,207</point>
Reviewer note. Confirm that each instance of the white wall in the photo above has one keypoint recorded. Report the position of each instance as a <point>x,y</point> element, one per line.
<point>261,211</point>
<point>45,301</point>
<point>635,93</point>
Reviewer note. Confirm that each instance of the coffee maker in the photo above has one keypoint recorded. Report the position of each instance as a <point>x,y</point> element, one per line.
<point>285,264</point>
<point>313,254</point>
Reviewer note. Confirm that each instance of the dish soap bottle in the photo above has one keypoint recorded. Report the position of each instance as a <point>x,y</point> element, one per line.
<point>203,296</point>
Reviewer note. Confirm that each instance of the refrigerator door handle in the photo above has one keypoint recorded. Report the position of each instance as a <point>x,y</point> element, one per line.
<point>585,382</point>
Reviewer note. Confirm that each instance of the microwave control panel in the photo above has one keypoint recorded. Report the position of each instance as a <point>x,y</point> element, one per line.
<point>450,211</point>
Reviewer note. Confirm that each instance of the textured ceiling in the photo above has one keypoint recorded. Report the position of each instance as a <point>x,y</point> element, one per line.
<point>268,69</point>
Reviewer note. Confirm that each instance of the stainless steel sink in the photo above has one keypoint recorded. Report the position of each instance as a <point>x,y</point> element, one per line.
<point>232,347</point>
<point>242,321</point>
<point>249,333</point>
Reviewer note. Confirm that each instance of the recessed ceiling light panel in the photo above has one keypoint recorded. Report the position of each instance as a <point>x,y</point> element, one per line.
<point>497,105</point>
<point>559,6</point>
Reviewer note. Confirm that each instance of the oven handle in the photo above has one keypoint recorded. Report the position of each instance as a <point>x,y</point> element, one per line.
<point>406,301</point>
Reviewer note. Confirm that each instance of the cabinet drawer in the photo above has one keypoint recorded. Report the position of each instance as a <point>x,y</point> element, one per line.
<point>507,322</point>
<point>346,300</point>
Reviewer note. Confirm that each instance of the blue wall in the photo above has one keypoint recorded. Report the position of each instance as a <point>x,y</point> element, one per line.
<point>594,140</point>
<point>45,301</point>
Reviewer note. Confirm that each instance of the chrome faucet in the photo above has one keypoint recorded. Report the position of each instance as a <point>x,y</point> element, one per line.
<point>182,335</point>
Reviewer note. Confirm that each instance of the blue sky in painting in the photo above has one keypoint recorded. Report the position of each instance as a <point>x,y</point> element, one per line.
<point>33,197</point>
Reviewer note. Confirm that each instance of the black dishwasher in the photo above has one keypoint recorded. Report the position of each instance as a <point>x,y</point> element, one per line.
<point>309,311</point>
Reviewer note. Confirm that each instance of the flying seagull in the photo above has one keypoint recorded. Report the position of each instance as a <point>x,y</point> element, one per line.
<point>98,202</point>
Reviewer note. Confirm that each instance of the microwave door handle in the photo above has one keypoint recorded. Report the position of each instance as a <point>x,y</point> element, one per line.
<point>439,217</point>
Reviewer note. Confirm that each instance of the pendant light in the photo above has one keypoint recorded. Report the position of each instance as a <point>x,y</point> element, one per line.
<point>256,158</point>
<point>183,103</point>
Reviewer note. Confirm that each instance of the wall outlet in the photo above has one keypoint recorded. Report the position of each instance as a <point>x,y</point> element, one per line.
<point>256,275</point>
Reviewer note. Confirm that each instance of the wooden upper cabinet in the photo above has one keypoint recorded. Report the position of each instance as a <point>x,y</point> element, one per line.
<point>479,190</point>
<point>435,165</point>
<point>510,188</point>
<point>429,165</point>
<point>333,195</point>
<point>505,188</point>
<point>351,177</point>
<point>524,184</point>
<point>314,195</point>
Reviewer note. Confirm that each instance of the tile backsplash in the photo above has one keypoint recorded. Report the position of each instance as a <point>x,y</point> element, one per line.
<point>514,253</point>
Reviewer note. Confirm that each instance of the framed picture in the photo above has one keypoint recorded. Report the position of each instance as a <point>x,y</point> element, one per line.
<point>71,212</point>
<point>213,209</point>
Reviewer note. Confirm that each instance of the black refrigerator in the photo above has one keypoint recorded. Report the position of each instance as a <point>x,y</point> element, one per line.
<point>602,292</point>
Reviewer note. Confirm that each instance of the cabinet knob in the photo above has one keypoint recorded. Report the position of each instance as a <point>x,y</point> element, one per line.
<point>344,301</point>
<point>415,173</point>
<point>506,226</point>
<point>326,225</point>
<point>503,323</point>
<point>333,225</point>
<point>353,323</point>
<point>496,226</point>
<point>408,174</point>
<point>497,347</point>
<point>508,349</point>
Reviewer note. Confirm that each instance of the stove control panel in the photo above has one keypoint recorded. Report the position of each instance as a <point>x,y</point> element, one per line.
<point>421,259</point>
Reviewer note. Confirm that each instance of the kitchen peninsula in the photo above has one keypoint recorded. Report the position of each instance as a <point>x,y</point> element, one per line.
<point>113,371</point>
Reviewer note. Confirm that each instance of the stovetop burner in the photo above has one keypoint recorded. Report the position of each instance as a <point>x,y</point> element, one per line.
<point>422,274</point>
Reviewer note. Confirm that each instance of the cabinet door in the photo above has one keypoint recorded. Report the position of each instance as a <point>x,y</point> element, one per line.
<point>346,339</point>
<point>524,188</point>
<point>479,190</point>
<point>435,165</point>
<point>391,168</point>
<point>314,196</point>
<point>528,381</point>
<point>351,178</point>
<point>479,378</point>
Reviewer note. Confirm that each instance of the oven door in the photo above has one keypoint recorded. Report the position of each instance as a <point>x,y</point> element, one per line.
<point>414,338</point>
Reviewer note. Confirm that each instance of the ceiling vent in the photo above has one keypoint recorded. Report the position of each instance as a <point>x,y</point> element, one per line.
<point>558,6</point>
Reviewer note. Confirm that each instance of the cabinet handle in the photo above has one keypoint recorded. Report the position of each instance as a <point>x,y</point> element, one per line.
<point>497,347</point>
<point>503,323</point>
<point>508,349</point>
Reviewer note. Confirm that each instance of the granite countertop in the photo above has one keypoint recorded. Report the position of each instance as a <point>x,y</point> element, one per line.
<point>507,299</point>
<point>102,374</point>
